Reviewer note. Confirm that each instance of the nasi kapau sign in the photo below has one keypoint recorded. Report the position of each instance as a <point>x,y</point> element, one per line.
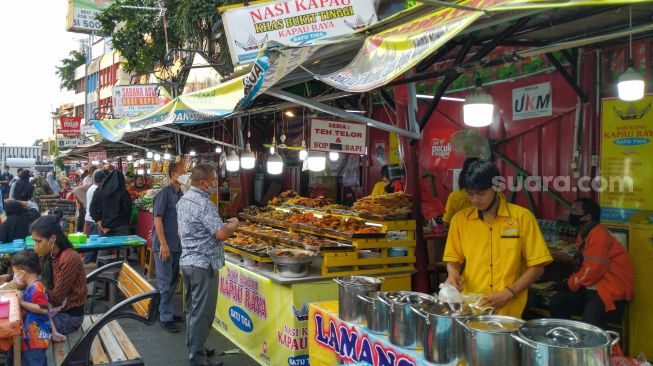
<point>132,100</point>
<point>336,136</point>
<point>292,22</point>
<point>532,102</point>
<point>82,13</point>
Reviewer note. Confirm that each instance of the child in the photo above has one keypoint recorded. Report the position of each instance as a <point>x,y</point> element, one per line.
<point>36,322</point>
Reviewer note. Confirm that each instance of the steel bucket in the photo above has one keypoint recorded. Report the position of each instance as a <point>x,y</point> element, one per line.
<point>350,308</point>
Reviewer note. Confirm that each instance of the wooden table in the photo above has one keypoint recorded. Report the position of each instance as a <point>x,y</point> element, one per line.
<point>11,328</point>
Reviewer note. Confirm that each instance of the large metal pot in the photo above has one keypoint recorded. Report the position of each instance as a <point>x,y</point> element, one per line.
<point>488,340</point>
<point>564,342</point>
<point>377,311</point>
<point>405,326</point>
<point>350,308</point>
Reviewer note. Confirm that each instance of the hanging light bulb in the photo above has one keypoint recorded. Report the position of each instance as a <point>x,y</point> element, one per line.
<point>141,171</point>
<point>631,85</point>
<point>275,164</point>
<point>334,156</point>
<point>95,162</point>
<point>479,107</point>
<point>149,171</point>
<point>303,153</point>
<point>142,161</point>
<point>157,157</point>
<point>247,158</point>
<point>316,161</point>
<point>149,155</point>
<point>130,158</point>
<point>136,164</point>
<point>233,163</point>
<point>273,150</point>
<point>166,156</point>
<point>218,149</point>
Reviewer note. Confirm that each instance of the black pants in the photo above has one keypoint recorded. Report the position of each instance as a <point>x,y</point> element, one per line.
<point>586,303</point>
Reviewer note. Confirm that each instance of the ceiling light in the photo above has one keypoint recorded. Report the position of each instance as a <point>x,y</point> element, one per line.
<point>425,96</point>
<point>218,149</point>
<point>136,164</point>
<point>192,153</point>
<point>149,171</point>
<point>233,162</point>
<point>316,161</point>
<point>273,150</point>
<point>247,158</point>
<point>354,111</point>
<point>303,153</point>
<point>130,158</point>
<point>95,162</point>
<point>289,114</point>
<point>142,161</point>
<point>631,85</point>
<point>479,107</point>
<point>166,156</point>
<point>157,157</point>
<point>149,155</point>
<point>334,156</point>
<point>275,164</point>
<point>140,172</point>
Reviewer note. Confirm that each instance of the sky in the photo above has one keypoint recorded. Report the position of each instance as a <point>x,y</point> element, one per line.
<point>34,40</point>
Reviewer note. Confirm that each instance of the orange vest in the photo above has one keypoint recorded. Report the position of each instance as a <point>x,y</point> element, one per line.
<point>606,266</point>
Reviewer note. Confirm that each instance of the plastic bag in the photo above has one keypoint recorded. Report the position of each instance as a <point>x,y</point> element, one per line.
<point>449,294</point>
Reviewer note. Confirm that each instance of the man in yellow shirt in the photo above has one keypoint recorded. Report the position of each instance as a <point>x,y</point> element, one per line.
<point>500,244</point>
<point>385,185</point>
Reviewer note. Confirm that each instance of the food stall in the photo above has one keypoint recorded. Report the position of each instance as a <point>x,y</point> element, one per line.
<point>285,257</point>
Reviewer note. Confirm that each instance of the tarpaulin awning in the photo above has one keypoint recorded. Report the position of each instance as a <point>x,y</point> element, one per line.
<point>198,107</point>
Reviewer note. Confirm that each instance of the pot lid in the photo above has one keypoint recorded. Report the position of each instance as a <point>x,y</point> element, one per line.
<point>359,281</point>
<point>412,298</point>
<point>564,333</point>
<point>493,323</point>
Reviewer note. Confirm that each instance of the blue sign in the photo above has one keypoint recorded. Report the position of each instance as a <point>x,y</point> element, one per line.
<point>631,141</point>
<point>298,361</point>
<point>240,319</point>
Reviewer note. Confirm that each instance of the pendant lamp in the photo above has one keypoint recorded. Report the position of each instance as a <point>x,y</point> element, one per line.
<point>275,164</point>
<point>316,161</point>
<point>631,85</point>
<point>479,107</point>
<point>334,156</point>
<point>233,162</point>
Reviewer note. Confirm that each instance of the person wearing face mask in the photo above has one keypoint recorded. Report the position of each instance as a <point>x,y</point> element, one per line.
<point>167,246</point>
<point>602,281</point>
<point>499,243</point>
<point>138,187</point>
<point>63,275</point>
<point>201,231</point>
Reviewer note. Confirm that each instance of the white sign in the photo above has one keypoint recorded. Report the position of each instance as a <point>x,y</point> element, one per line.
<point>97,155</point>
<point>81,15</point>
<point>532,102</point>
<point>132,100</point>
<point>89,130</point>
<point>69,142</point>
<point>292,22</point>
<point>344,137</point>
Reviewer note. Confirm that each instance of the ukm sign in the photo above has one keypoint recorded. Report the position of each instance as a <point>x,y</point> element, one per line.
<point>532,102</point>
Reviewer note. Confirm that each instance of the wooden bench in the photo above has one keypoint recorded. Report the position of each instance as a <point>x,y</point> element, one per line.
<point>101,340</point>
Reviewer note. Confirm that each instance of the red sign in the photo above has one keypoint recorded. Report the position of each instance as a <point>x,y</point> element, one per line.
<point>97,156</point>
<point>70,126</point>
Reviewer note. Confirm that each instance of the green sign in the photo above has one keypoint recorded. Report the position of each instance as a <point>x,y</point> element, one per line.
<point>82,13</point>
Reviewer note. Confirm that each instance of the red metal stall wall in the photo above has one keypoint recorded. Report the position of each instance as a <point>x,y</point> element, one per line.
<point>540,146</point>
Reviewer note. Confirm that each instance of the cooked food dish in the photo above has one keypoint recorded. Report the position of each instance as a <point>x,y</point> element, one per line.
<point>392,204</point>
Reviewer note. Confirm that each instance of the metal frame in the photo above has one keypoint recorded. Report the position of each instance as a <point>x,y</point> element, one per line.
<point>281,94</point>
<point>199,137</point>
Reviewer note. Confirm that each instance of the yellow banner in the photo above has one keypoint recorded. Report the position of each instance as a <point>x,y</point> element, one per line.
<point>386,55</point>
<point>267,320</point>
<point>543,4</point>
<point>626,155</point>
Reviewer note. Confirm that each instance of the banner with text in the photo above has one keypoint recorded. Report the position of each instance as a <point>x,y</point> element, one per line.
<point>626,169</point>
<point>201,106</point>
<point>67,143</point>
<point>132,100</point>
<point>532,101</point>
<point>265,319</point>
<point>70,126</point>
<point>97,156</point>
<point>81,15</point>
<point>292,22</point>
<point>336,136</point>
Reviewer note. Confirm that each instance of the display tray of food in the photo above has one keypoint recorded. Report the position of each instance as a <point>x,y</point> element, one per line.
<point>292,263</point>
<point>299,240</point>
<point>392,206</point>
<point>245,245</point>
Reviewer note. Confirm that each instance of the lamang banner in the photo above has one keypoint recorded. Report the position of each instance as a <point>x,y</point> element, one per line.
<point>292,22</point>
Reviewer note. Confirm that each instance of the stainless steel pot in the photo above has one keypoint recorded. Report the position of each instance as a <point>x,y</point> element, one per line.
<point>405,327</point>
<point>350,308</point>
<point>376,311</point>
<point>488,340</point>
<point>564,342</point>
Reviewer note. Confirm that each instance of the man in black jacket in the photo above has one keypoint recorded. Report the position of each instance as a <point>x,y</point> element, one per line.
<point>111,206</point>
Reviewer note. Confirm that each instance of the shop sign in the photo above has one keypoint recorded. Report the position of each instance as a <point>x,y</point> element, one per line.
<point>292,22</point>
<point>97,156</point>
<point>532,101</point>
<point>132,100</point>
<point>69,142</point>
<point>626,158</point>
<point>391,53</point>
<point>89,130</point>
<point>336,136</point>
<point>81,15</point>
<point>69,126</point>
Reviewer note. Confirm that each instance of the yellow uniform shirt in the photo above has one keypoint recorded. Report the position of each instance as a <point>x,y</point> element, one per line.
<point>496,255</point>
<point>458,201</point>
<point>379,189</point>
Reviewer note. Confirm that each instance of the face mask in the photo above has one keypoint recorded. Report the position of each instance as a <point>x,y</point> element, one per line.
<point>19,280</point>
<point>211,191</point>
<point>574,219</point>
<point>43,250</point>
<point>183,179</point>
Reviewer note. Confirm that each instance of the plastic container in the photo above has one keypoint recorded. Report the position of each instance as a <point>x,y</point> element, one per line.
<point>93,237</point>
<point>4,309</point>
<point>18,243</point>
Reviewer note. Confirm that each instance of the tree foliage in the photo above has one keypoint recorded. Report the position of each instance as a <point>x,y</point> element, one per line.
<point>140,37</point>
<point>66,71</point>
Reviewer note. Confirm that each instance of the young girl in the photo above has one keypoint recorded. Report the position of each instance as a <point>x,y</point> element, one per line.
<point>37,330</point>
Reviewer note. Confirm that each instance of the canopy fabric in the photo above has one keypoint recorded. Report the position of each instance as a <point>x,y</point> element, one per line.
<point>198,107</point>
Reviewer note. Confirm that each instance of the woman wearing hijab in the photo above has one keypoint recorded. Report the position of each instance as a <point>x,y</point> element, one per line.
<point>22,190</point>
<point>52,183</point>
<point>19,217</point>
